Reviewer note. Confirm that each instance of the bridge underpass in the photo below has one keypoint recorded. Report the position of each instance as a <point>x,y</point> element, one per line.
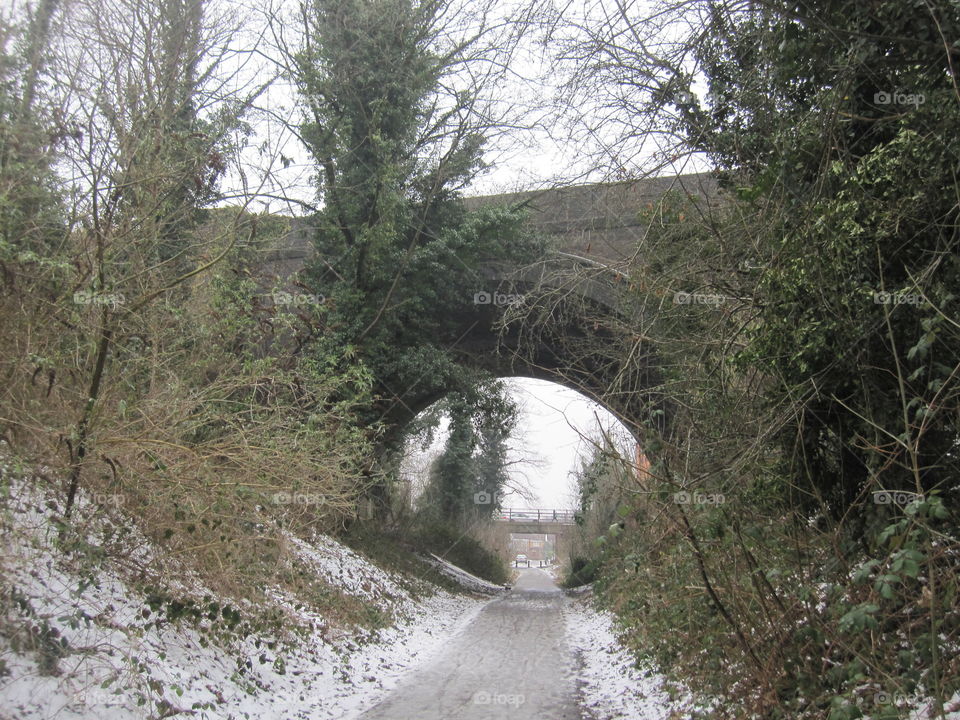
<point>594,231</point>
<point>580,324</point>
<point>517,528</point>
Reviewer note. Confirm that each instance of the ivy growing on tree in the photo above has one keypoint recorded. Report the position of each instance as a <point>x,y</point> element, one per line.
<point>396,134</point>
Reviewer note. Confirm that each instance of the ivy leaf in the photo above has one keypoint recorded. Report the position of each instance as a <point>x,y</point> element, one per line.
<point>859,618</point>
<point>890,532</point>
<point>907,561</point>
<point>936,508</point>
<point>863,572</point>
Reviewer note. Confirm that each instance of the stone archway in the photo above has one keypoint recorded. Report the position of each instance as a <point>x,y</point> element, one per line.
<point>574,345</point>
<point>575,293</point>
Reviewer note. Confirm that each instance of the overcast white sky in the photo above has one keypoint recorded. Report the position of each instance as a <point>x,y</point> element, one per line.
<point>550,141</point>
<point>555,429</point>
<point>555,432</point>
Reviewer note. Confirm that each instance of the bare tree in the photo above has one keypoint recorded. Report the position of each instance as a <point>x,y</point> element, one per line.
<point>146,103</point>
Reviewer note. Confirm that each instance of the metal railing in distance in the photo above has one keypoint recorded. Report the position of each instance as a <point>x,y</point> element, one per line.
<point>537,515</point>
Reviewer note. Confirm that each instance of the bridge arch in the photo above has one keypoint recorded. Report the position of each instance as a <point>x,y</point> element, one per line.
<point>538,504</point>
<point>575,320</point>
<point>559,332</point>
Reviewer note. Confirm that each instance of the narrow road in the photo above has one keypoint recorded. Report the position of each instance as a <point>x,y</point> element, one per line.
<point>511,662</point>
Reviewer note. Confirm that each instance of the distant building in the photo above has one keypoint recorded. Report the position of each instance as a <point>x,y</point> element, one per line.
<point>535,547</point>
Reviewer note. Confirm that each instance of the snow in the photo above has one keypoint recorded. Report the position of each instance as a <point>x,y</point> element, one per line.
<point>924,710</point>
<point>556,571</point>
<point>77,642</point>
<point>120,664</point>
<point>611,685</point>
<point>465,579</point>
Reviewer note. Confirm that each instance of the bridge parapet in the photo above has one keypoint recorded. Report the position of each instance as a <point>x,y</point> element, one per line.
<point>597,222</point>
<point>601,221</point>
<point>546,516</point>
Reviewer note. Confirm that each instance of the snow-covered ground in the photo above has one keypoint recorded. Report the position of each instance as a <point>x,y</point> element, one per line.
<point>556,571</point>
<point>93,649</point>
<point>465,579</point>
<point>611,686</point>
<point>80,641</point>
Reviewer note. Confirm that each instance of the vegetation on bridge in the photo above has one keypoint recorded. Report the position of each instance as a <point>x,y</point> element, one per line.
<point>794,542</point>
<point>791,370</point>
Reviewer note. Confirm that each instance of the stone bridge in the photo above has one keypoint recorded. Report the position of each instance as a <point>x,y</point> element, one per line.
<point>545,521</point>
<point>598,224</point>
<point>593,232</point>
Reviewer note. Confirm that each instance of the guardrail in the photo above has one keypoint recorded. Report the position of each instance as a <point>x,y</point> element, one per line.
<point>537,515</point>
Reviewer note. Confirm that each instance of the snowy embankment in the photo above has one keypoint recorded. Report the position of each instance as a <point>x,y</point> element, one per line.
<point>462,577</point>
<point>79,641</point>
<point>611,685</point>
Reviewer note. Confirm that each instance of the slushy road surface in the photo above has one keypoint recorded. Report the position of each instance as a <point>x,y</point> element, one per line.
<point>510,662</point>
